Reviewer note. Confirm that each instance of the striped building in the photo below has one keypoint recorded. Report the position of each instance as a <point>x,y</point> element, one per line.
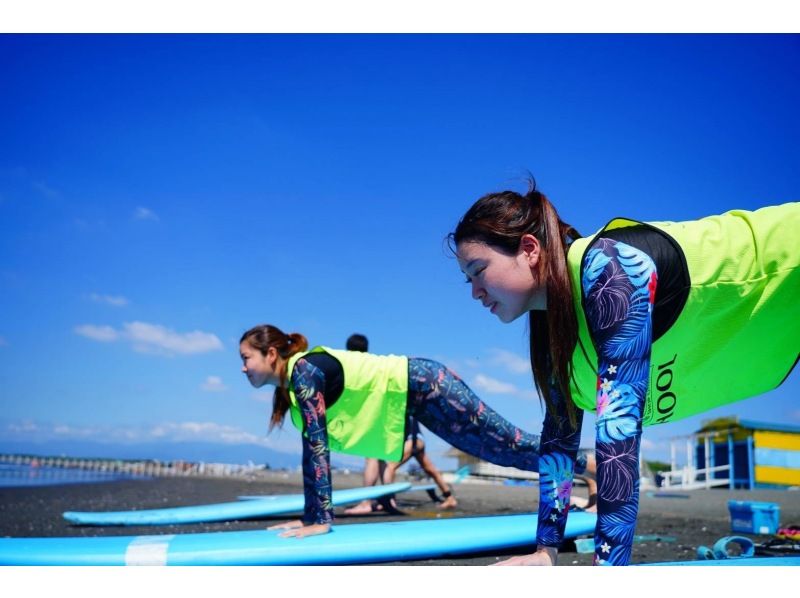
<point>763,455</point>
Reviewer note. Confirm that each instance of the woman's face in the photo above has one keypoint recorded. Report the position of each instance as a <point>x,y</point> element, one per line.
<point>505,284</point>
<point>260,369</point>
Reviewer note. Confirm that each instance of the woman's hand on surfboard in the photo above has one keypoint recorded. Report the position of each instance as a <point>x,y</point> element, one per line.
<point>544,556</point>
<point>288,525</point>
<point>297,529</point>
<point>307,530</point>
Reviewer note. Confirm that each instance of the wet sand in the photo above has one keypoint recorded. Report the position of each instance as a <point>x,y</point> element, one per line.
<point>695,518</point>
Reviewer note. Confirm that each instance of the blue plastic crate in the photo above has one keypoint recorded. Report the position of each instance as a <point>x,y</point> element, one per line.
<point>751,517</point>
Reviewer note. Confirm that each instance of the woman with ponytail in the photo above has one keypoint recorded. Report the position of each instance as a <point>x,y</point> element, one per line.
<point>641,323</point>
<point>359,403</point>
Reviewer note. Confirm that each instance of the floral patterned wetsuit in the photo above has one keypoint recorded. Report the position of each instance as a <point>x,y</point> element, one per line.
<point>439,400</point>
<point>619,285</point>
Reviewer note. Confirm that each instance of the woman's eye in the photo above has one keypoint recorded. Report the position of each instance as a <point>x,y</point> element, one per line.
<point>478,272</point>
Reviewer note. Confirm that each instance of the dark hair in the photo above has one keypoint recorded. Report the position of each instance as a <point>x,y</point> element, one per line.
<point>261,338</point>
<point>357,342</point>
<point>500,220</point>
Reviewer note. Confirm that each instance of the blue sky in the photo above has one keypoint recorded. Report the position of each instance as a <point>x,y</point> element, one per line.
<point>161,194</point>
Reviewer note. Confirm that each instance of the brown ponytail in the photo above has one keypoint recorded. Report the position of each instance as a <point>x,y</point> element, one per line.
<point>261,338</point>
<point>500,220</point>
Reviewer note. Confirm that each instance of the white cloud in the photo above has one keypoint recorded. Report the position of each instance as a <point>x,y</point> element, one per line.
<point>213,384</point>
<point>113,300</point>
<point>72,432</point>
<point>482,383</point>
<point>510,361</point>
<point>202,431</point>
<point>142,213</point>
<point>492,386</point>
<point>24,427</point>
<point>286,440</point>
<point>154,338</point>
<point>169,431</point>
<point>103,334</point>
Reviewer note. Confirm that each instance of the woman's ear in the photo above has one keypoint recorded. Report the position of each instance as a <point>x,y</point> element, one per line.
<point>272,356</point>
<point>529,245</point>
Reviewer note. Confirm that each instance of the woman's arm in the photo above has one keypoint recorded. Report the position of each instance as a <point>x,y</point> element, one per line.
<point>557,455</point>
<point>619,283</point>
<point>309,382</point>
<point>560,442</point>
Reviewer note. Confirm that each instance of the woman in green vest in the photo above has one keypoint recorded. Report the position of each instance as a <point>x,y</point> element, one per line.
<point>641,323</point>
<point>358,403</point>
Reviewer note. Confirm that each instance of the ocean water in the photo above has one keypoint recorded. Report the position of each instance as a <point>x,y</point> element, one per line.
<point>14,476</point>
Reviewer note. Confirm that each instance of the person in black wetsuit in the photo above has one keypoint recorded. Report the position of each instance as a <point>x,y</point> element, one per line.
<point>377,469</point>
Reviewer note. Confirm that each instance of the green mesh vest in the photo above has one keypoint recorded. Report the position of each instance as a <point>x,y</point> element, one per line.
<point>738,334</point>
<point>369,417</point>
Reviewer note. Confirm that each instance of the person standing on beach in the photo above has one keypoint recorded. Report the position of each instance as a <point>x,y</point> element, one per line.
<point>357,403</point>
<point>642,323</point>
<point>376,469</point>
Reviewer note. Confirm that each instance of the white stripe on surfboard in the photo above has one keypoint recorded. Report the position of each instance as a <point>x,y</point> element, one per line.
<point>148,550</point>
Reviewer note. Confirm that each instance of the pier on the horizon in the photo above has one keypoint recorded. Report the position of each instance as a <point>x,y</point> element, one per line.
<point>143,468</point>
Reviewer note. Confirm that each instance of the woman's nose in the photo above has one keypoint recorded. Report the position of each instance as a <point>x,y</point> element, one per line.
<point>477,291</point>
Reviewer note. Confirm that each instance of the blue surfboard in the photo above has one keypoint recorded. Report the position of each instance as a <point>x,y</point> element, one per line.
<point>249,509</point>
<point>345,544</point>
<point>754,561</point>
<point>409,489</point>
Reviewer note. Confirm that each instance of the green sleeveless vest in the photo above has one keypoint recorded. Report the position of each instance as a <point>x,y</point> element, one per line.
<point>738,334</point>
<point>369,417</point>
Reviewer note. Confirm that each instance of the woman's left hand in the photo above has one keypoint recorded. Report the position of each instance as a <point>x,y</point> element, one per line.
<point>544,556</point>
<point>314,529</point>
<point>287,525</point>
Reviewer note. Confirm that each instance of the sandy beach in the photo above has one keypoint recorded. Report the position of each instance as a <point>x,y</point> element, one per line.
<point>671,527</point>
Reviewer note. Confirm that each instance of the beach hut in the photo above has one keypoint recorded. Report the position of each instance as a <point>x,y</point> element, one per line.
<point>763,455</point>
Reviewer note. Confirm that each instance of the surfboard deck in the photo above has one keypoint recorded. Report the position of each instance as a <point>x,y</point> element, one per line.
<point>345,544</point>
<point>249,509</point>
<point>754,561</point>
<point>409,489</point>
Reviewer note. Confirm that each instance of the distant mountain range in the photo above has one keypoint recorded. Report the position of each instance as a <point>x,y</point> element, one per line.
<point>162,451</point>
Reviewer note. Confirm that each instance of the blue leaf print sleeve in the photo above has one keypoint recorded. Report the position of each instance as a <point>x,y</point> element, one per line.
<point>559,449</point>
<point>308,382</point>
<point>619,284</point>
